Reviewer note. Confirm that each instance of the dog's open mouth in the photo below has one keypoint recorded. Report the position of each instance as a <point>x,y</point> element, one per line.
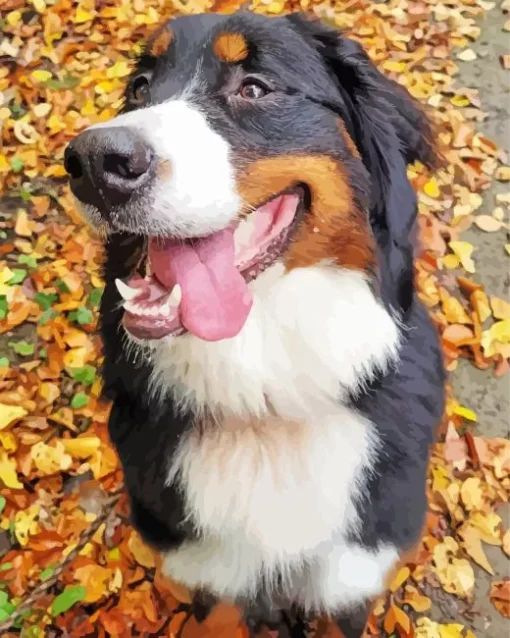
<point>200,285</point>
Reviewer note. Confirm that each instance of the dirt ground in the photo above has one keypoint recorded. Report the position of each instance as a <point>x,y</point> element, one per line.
<point>487,396</point>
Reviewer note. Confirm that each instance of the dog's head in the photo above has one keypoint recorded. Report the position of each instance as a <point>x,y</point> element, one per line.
<point>247,141</point>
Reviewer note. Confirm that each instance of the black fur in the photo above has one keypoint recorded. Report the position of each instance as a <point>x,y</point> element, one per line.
<point>322,75</point>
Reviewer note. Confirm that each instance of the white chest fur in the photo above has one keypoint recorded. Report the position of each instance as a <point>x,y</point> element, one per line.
<point>272,487</point>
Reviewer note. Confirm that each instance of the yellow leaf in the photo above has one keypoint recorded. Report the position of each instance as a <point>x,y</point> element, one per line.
<point>431,188</point>
<point>9,442</point>
<point>503,173</point>
<point>507,248</point>
<point>75,358</point>
<point>450,262</point>
<point>8,472</point>
<point>455,574</point>
<point>497,334</point>
<point>465,412</point>
<point>500,308</point>
<point>400,577</point>
<point>81,447</point>
<point>88,108</point>
<point>50,459</point>
<point>49,391</point>
<point>489,525</point>
<point>9,414</point>
<point>460,100</point>
<point>75,338</point>
<point>472,544</point>
<point>82,15</point>
<point>480,302</point>
<point>119,70</point>
<point>40,76</point>
<point>142,553</point>
<point>464,250</point>
<point>94,578</point>
<point>22,226</point>
<point>471,493</point>
<point>25,524</point>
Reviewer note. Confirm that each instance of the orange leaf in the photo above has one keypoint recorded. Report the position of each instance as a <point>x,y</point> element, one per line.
<point>141,552</point>
<point>500,596</point>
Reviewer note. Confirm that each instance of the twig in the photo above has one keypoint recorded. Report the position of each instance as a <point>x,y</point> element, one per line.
<point>84,538</point>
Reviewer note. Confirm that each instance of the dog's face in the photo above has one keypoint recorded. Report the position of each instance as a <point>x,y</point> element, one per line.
<point>245,141</point>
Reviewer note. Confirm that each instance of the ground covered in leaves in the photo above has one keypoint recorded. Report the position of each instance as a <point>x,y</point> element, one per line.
<point>63,67</point>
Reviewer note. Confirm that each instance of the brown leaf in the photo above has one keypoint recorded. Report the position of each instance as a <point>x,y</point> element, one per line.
<point>500,596</point>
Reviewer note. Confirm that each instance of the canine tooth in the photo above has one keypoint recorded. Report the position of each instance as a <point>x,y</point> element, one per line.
<point>175,296</point>
<point>126,292</point>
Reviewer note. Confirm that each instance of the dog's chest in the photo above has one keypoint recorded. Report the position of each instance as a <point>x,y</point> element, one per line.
<point>284,485</point>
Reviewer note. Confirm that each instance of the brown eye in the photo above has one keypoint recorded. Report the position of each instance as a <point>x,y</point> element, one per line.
<point>140,90</point>
<point>253,90</point>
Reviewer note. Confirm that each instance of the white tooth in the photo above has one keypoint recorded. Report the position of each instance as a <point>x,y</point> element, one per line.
<point>175,296</point>
<point>131,307</point>
<point>244,232</point>
<point>126,292</point>
<point>148,267</point>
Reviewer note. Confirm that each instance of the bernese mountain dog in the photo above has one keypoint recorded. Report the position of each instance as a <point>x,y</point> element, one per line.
<point>276,382</point>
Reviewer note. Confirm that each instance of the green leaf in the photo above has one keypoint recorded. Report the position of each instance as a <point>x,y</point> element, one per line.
<point>22,348</point>
<point>4,362</point>
<point>5,612</point>
<point>61,285</point>
<point>29,260</point>
<point>67,82</point>
<point>26,192</point>
<point>47,315</point>
<point>44,300</point>
<point>95,297</point>
<point>18,276</point>
<point>5,567</point>
<point>83,316</point>
<point>48,572</point>
<point>4,307</point>
<point>3,234</point>
<point>17,164</point>
<point>85,375</point>
<point>4,598</point>
<point>79,400</point>
<point>67,599</point>
<point>2,504</point>
<point>43,353</point>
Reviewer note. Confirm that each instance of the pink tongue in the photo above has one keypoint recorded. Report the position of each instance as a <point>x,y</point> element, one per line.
<point>216,300</point>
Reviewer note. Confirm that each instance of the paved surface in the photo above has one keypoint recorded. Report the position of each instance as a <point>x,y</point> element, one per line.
<point>477,389</point>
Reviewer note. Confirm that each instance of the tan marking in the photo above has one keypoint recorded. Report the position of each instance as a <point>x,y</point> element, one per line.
<point>349,142</point>
<point>334,229</point>
<point>164,169</point>
<point>258,439</point>
<point>231,47</point>
<point>161,42</point>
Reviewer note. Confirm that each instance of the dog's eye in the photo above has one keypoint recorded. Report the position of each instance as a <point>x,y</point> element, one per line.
<point>140,90</point>
<point>253,90</point>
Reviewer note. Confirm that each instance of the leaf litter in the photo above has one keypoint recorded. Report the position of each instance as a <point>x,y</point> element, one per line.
<point>65,65</point>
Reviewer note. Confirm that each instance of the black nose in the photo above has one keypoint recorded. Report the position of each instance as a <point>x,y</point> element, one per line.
<point>107,166</point>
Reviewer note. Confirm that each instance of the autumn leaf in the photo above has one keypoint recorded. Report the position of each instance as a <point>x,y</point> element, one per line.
<point>500,596</point>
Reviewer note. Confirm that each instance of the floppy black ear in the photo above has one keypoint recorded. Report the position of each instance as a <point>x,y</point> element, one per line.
<point>390,131</point>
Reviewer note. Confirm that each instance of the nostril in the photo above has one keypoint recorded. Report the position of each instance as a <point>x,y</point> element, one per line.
<point>128,166</point>
<point>72,164</point>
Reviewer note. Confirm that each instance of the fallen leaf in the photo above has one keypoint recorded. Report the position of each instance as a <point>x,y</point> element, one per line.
<point>10,414</point>
<point>488,224</point>
<point>500,596</point>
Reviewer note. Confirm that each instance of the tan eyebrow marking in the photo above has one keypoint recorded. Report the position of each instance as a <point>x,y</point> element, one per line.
<point>161,42</point>
<point>231,47</point>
